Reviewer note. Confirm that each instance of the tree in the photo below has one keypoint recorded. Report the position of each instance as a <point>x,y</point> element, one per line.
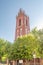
<point>24,47</point>
<point>1,47</point>
<point>41,42</point>
<point>39,35</point>
<point>4,48</point>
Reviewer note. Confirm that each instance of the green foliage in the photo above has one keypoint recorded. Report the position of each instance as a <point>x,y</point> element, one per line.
<point>39,35</point>
<point>4,48</point>
<point>4,57</point>
<point>24,47</point>
<point>40,32</point>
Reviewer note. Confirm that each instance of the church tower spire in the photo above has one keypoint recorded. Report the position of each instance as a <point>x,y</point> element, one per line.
<point>22,24</point>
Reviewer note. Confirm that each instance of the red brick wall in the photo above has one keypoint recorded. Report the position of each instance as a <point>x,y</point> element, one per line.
<point>21,15</point>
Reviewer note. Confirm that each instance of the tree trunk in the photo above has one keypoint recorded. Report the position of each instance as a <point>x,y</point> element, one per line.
<point>13,62</point>
<point>7,62</point>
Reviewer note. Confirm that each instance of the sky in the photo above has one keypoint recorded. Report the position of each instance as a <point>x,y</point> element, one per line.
<point>10,8</point>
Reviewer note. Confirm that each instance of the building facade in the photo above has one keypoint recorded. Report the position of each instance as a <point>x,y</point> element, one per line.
<point>22,24</point>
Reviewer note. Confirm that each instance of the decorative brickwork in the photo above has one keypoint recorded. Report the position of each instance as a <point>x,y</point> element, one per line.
<point>22,24</point>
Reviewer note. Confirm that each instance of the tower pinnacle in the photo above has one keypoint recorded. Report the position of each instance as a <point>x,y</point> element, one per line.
<point>22,24</point>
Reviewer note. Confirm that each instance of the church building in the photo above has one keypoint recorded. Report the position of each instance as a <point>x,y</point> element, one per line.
<point>22,24</point>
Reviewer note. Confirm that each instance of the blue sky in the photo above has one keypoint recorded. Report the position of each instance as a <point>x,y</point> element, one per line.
<point>10,8</point>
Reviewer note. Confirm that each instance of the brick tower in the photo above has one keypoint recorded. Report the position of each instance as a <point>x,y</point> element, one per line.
<point>22,24</point>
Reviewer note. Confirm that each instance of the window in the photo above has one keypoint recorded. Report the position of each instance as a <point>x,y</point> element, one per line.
<point>26,23</point>
<point>19,22</point>
<point>21,32</point>
<point>17,33</point>
<point>26,31</point>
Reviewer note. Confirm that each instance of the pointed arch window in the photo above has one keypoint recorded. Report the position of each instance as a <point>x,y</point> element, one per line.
<point>19,22</point>
<point>26,30</point>
<point>26,22</point>
<point>21,32</point>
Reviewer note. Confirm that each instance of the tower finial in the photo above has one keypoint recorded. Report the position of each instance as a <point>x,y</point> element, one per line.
<point>20,9</point>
